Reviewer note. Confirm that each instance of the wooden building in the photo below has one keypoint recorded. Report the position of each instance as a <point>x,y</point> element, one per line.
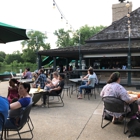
<point>105,48</point>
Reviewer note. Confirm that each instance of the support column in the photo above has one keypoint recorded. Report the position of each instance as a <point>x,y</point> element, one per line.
<point>54,63</point>
<point>39,61</point>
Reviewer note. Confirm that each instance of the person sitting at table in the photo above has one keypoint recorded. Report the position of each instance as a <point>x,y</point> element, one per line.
<point>86,77</point>
<point>40,80</point>
<point>12,90</point>
<point>52,83</point>
<point>113,88</point>
<point>55,91</point>
<point>28,74</point>
<point>89,84</point>
<point>22,103</point>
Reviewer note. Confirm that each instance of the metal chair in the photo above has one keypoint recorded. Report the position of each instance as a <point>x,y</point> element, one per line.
<point>2,121</point>
<point>67,88</point>
<point>60,100</point>
<point>89,92</point>
<point>115,105</point>
<point>24,119</point>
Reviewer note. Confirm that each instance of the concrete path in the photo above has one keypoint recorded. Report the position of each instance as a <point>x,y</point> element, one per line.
<point>79,119</point>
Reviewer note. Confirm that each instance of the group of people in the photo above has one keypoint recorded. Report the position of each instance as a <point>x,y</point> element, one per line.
<point>52,87</point>
<point>18,98</point>
<point>18,93</point>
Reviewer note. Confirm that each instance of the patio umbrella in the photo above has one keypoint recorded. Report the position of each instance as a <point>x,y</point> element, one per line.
<point>9,33</point>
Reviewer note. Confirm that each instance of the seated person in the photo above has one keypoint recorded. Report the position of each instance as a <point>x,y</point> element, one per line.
<point>28,74</point>
<point>22,103</point>
<point>52,83</point>
<point>113,88</point>
<point>12,90</point>
<point>15,114</point>
<point>4,107</point>
<point>55,91</point>
<point>41,79</point>
<point>86,77</point>
<point>89,84</point>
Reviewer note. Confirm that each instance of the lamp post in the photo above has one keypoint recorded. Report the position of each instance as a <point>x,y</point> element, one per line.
<point>37,58</point>
<point>80,65</point>
<point>129,51</point>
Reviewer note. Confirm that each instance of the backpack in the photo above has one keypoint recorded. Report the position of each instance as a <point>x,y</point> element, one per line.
<point>134,127</point>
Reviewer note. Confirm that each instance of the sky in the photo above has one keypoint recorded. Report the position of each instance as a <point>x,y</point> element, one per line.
<point>40,15</point>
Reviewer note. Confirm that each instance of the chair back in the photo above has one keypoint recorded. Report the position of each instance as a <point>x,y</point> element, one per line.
<point>113,104</point>
<point>2,121</point>
<point>25,115</point>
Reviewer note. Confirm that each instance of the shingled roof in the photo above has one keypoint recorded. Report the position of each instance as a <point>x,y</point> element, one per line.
<point>113,38</point>
<point>119,28</point>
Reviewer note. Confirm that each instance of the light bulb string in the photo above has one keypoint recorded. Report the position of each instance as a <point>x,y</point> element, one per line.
<point>62,15</point>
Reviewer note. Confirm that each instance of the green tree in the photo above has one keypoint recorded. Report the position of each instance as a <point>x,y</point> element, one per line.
<point>64,39</point>
<point>13,57</point>
<point>84,33</point>
<point>36,41</point>
<point>79,37</point>
<point>2,56</point>
<point>29,55</point>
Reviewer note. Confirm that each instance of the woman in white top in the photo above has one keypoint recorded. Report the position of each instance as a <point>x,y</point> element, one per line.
<point>86,77</point>
<point>89,84</point>
<point>52,83</point>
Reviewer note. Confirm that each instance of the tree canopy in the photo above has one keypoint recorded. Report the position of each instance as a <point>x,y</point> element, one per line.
<point>79,36</point>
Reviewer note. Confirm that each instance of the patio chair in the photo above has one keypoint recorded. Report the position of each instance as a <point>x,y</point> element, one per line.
<point>58,103</point>
<point>2,121</point>
<point>67,88</point>
<point>25,119</point>
<point>116,105</point>
<point>89,92</point>
<point>36,97</point>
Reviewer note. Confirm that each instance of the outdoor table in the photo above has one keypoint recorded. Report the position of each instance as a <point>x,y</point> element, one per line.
<point>77,81</point>
<point>35,94</point>
<point>26,80</point>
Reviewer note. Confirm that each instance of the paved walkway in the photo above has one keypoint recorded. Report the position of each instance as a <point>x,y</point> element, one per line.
<point>77,120</point>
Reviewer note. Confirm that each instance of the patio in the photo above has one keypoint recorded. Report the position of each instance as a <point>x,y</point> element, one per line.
<point>77,120</point>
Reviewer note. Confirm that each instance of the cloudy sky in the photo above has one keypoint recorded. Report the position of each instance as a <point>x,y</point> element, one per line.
<point>40,15</point>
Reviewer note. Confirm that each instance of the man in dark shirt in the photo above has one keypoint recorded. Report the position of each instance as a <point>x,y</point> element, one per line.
<point>55,91</point>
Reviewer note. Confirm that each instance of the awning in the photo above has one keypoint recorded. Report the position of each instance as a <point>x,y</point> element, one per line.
<point>109,55</point>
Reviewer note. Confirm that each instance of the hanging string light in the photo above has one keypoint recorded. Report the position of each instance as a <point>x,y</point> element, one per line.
<point>62,15</point>
<point>53,4</point>
<point>61,18</point>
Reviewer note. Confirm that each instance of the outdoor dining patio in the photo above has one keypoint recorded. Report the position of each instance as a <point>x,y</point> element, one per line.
<point>77,120</point>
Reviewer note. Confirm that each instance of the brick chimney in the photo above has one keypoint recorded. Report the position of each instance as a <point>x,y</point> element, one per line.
<point>120,10</point>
